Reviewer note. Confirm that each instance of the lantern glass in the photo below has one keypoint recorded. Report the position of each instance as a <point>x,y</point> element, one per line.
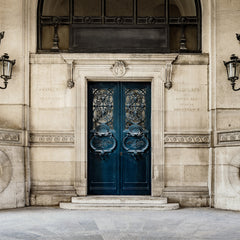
<point>233,70</point>
<point>7,68</point>
<point>237,69</point>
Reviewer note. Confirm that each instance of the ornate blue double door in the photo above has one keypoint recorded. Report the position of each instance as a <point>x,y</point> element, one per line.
<point>119,138</point>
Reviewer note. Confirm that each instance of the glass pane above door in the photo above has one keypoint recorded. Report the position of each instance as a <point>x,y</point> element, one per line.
<point>87,8</point>
<point>154,8</point>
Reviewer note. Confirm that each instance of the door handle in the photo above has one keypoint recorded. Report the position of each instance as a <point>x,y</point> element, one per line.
<point>121,154</point>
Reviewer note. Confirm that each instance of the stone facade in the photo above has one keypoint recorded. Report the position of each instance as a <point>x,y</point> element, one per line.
<point>195,124</point>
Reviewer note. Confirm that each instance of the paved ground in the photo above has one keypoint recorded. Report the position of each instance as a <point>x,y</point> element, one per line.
<point>57,224</point>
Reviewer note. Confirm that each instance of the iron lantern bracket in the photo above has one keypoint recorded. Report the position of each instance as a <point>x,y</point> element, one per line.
<point>5,82</point>
<point>233,86</point>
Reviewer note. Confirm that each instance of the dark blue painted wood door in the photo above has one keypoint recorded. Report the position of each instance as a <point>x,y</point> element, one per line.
<point>119,138</point>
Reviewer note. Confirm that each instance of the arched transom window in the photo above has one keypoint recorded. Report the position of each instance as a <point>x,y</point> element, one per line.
<point>124,26</point>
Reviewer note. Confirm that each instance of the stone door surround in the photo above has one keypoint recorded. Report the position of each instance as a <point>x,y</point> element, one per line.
<point>127,68</point>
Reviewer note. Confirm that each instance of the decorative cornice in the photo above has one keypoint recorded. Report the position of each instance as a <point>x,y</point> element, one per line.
<point>50,138</point>
<point>187,139</point>
<point>188,59</point>
<point>102,58</point>
<point>229,138</point>
<point>191,59</point>
<point>10,137</point>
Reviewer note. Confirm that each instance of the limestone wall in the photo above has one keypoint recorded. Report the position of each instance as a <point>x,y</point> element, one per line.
<point>52,119</point>
<point>180,120</point>
<point>13,106</point>
<point>187,133</point>
<point>227,115</point>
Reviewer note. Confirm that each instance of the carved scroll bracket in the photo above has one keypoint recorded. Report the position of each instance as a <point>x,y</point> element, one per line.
<point>70,62</point>
<point>168,74</point>
<point>70,82</point>
<point>119,68</point>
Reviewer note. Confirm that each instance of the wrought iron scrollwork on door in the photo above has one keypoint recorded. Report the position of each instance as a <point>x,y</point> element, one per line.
<point>102,107</point>
<point>135,106</point>
<point>103,142</point>
<point>135,142</point>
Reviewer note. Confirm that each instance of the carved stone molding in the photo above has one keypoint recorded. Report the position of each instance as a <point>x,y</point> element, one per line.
<point>119,69</point>
<point>48,138</point>
<point>10,137</point>
<point>229,138</point>
<point>187,139</point>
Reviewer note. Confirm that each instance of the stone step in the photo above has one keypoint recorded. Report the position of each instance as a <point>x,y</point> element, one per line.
<point>73,206</point>
<point>119,202</point>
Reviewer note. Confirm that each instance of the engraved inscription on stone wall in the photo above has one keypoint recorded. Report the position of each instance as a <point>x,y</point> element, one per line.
<point>187,98</point>
<point>49,86</point>
<point>50,96</point>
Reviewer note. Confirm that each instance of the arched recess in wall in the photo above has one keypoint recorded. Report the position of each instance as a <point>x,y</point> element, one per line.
<point>124,26</point>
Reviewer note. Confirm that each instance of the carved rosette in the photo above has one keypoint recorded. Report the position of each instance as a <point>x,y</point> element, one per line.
<point>119,69</point>
<point>6,171</point>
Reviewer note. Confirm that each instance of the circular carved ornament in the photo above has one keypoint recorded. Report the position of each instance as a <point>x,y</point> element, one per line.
<point>119,69</point>
<point>5,171</point>
<point>234,173</point>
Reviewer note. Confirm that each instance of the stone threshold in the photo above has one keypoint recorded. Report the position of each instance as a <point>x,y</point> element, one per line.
<point>119,202</point>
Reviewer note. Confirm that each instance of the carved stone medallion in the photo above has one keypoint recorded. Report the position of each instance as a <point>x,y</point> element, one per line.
<point>234,173</point>
<point>5,171</point>
<point>119,69</point>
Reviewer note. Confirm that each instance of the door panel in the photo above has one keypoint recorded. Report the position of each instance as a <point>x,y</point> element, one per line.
<point>135,135</point>
<point>119,149</point>
<point>103,174</point>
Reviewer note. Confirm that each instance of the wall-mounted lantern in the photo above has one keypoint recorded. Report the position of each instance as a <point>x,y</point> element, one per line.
<point>233,67</point>
<point>6,66</point>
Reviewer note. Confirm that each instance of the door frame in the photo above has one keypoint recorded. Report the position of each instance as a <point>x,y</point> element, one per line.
<point>137,68</point>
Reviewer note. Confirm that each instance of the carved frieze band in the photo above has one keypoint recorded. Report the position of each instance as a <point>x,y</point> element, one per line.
<point>10,137</point>
<point>187,139</point>
<point>229,138</point>
<point>60,138</point>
